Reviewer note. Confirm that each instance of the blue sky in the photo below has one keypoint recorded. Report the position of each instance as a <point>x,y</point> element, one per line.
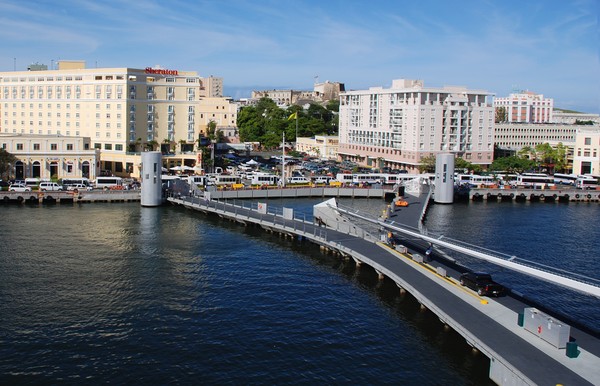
<point>546,46</point>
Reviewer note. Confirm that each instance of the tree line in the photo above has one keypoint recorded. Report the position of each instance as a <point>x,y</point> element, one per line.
<point>540,158</point>
<point>266,122</point>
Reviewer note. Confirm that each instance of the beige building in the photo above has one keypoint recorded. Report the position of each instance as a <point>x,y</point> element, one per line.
<point>51,156</point>
<point>514,136</point>
<point>586,157</point>
<point>398,126</point>
<point>322,92</point>
<point>322,146</point>
<point>123,110</point>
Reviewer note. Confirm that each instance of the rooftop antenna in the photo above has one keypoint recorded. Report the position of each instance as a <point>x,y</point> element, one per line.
<point>15,64</point>
<point>316,79</point>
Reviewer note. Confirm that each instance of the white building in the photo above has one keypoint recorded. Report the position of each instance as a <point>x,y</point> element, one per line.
<point>526,107</point>
<point>515,136</point>
<point>397,127</point>
<point>51,156</point>
<point>322,146</point>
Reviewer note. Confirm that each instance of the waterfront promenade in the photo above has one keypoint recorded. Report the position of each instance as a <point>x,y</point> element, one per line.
<point>488,325</point>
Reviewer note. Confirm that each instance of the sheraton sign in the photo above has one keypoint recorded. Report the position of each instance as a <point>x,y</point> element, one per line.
<point>160,71</point>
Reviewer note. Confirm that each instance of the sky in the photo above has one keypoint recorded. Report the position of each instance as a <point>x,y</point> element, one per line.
<point>549,47</point>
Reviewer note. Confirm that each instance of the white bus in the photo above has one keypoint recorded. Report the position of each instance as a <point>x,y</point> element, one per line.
<point>75,181</point>
<point>344,178</point>
<point>586,182</point>
<point>535,180</point>
<point>476,180</point>
<point>565,179</point>
<point>264,179</point>
<point>199,181</point>
<point>115,183</point>
<point>223,179</point>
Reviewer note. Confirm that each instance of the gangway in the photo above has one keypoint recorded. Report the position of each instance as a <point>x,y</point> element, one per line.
<point>574,281</point>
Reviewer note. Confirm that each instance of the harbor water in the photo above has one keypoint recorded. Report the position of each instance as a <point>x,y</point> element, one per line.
<point>117,293</point>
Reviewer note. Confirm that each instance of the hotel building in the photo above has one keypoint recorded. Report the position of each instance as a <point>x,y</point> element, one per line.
<point>397,127</point>
<point>526,107</point>
<point>122,110</point>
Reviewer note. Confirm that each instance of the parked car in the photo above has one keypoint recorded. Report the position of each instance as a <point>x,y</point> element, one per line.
<point>78,187</point>
<point>52,186</point>
<point>482,283</point>
<point>18,187</point>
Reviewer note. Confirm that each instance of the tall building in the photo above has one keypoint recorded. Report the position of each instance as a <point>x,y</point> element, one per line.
<point>397,127</point>
<point>123,110</point>
<point>525,107</point>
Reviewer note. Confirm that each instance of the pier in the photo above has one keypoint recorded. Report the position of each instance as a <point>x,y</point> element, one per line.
<point>69,197</point>
<point>491,326</point>
<point>550,195</point>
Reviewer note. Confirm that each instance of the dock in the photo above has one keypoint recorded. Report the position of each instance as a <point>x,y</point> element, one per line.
<point>490,326</point>
<point>549,195</point>
<point>69,197</point>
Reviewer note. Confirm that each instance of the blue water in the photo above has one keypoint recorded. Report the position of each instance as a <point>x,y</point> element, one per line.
<point>116,293</point>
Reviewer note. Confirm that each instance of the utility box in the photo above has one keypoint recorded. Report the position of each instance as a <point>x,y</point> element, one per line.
<point>418,258</point>
<point>401,248</point>
<point>441,271</point>
<point>544,326</point>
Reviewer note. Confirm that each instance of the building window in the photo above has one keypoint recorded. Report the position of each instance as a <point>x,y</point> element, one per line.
<point>53,146</point>
<point>108,146</point>
<point>36,146</point>
<point>19,146</point>
<point>69,146</point>
<point>588,141</point>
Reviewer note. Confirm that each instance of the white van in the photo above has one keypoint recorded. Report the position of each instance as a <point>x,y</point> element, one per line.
<point>298,180</point>
<point>51,186</point>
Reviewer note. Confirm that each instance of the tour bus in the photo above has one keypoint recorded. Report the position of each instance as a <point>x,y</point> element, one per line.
<point>586,182</point>
<point>462,179</point>
<point>223,179</point>
<point>477,180</point>
<point>199,181</point>
<point>75,181</point>
<point>344,178</point>
<point>392,179</point>
<point>115,183</point>
<point>264,179</point>
<point>535,180</point>
<point>565,179</point>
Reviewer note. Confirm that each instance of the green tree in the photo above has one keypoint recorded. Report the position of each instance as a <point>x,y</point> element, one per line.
<point>266,122</point>
<point>7,163</point>
<point>500,114</point>
<point>512,164</point>
<point>427,164</point>
<point>560,158</point>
